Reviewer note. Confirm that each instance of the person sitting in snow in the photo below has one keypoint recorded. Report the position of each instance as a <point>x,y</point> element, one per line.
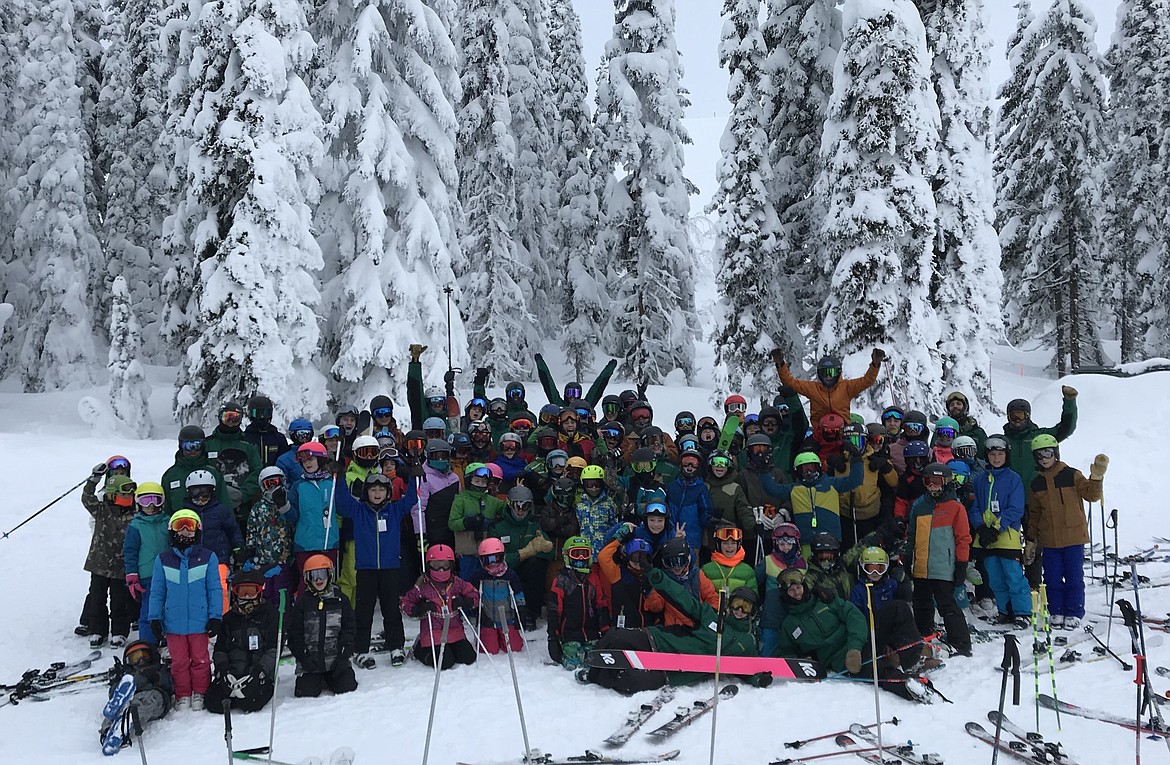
<point>246,649</point>
<point>438,595</point>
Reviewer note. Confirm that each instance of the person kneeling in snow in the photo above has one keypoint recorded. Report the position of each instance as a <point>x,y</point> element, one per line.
<point>437,594</point>
<point>501,598</point>
<point>578,606</point>
<point>321,631</point>
<point>245,650</point>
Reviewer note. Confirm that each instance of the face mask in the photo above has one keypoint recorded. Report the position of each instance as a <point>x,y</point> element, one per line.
<point>441,465</point>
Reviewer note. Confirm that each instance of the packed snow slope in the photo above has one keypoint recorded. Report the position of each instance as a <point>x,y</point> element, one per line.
<point>49,449</point>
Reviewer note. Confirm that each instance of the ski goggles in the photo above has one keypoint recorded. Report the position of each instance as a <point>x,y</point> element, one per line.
<point>307,455</point>
<point>478,402</point>
<point>934,481</point>
<point>558,462</point>
<point>1047,453</point>
<point>366,452</point>
<point>593,483</point>
<point>611,433</point>
<point>498,409</point>
<point>690,461</point>
<point>858,441</point>
<point>127,489</point>
<point>318,575</point>
<point>331,431</point>
<point>737,407</point>
<point>611,409</point>
<point>875,570</point>
<point>271,482</point>
<point>521,506</point>
<point>118,463</point>
<point>656,508</point>
<point>584,413</point>
<point>784,541</point>
<point>300,436</point>
<point>966,452</point>
<point>685,422</point>
<point>415,444</point>
<point>829,372</point>
<point>150,500</point>
<point>482,472</point>
<point>184,525</point>
<point>720,462</point>
<point>231,418</point>
<point>579,553</point>
<point>137,656</point>
<point>642,467</point>
<point>435,403</point>
<point>515,394</point>
<point>1017,417</point>
<point>440,565</point>
<point>678,562</point>
<point>509,446</point>
<point>892,416</point>
<point>726,533</point>
<point>640,415</point>
<point>946,432</point>
<point>742,605</point>
<point>959,479</point>
<point>652,441</point>
<point>522,425</point>
<point>914,428</point>
<point>191,446</point>
<point>382,411</point>
<point>201,492</point>
<point>247,590</point>
<point>491,559</point>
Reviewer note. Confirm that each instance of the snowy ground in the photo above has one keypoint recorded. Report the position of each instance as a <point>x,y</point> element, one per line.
<point>385,720</point>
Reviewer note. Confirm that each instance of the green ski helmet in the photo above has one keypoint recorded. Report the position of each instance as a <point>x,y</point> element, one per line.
<point>577,554</point>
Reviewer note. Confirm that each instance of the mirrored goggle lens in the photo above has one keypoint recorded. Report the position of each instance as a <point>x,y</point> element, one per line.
<point>945,432</point>
<point>522,425</point>
<point>415,444</point>
<point>301,436</point>
<point>482,473</point>
<point>727,533</point>
<point>720,462</point>
<point>580,553</point>
<point>268,484</point>
<point>439,565</point>
<point>231,419</point>
<point>743,605</point>
<point>515,393</point>
<point>191,446</point>
<point>785,540</point>
<point>558,462</point>
<point>302,456</point>
<point>382,411</point>
<point>523,507</point>
<point>184,524</point>
<point>118,463</point>
<point>247,590</point>
<point>829,371</point>
<point>685,422</point>
<point>914,428</point>
<point>509,445</point>
<point>331,432</point>
<point>759,450</point>
<point>572,392</point>
<point>959,479</point>
<point>150,500</point>
<point>737,407</point>
<point>677,561</point>
<point>367,452</point>
<point>642,467</point>
<point>892,416</point>
<point>1046,453</point>
<point>655,508</point>
<point>610,409</point>
<point>319,575</point>
<point>491,558</point>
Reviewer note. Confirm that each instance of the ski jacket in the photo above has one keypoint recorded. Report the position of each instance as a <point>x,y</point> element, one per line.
<point>791,432</point>
<point>270,533</point>
<point>772,611</point>
<point>816,508</point>
<point>578,607</point>
<point>377,532</point>
<point>321,629</point>
<point>836,580</point>
<point>752,481</point>
<point>185,591</point>
<point>292,470</point>
<point>868,499</point>
<point>436,494</point>
<point>821,630</point>
<point>1020,440</point>
<point>110,522</point>
<point>559,523</point>
<point>238,461</point>
<point>629,595</point>
<point>270,443</point>
<point>999,504</point>
<point>729,503</point>
<point>496,592</point>
<point>822,400</point>
<point>516,535</point>
<point>886,590</point>
<point>700,588</point>
<point>441,595</point>
<point>938,536</point>
<point>700,637</point>
<point>909,489</point>
<point>729,573</point>
<point>246,645</point>
<point>593,395</point>
<point>512,467</point>
<point>174,480</point>
<point>476,503</point>
<point>146,537</point>
<point>1056,513</point>
<point>689,502</point>
<point>595,518</point>
<point>221,533</point>
<point>310,513</point>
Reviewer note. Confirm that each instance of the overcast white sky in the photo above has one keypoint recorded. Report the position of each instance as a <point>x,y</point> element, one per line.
<point>699,25</point>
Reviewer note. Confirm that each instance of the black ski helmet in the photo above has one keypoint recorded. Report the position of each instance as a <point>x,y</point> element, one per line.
<point>260,408</point>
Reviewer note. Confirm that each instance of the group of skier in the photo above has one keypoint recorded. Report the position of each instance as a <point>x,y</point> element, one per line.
<point>480,520</point>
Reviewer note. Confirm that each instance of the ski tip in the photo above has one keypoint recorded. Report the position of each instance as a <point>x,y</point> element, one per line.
<point>974,727</point>
<point>729,690</point>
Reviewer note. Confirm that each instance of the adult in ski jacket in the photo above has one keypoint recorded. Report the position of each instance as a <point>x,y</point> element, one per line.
<point>729,503</point>
<point>174,480</point>
<point>790,429</point>
<point>820,626</point>
<point>835,397</point>
<point>238,461</point>
<point>436,494</point>
<point>593,395</point>
<point>1019,431</point>
<point>959,408</point>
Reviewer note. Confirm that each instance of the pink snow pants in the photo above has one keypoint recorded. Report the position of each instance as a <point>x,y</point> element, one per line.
<point>190,663</point>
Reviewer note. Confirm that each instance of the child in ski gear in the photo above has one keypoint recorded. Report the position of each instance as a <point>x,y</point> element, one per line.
<point>270,533</point>
<point>939,544</point>
<point>311,512</point>
<point>677,561</point>
<point>146,537</point>
<point>300,432</point>
<point>439,593</point>
<point>526,549</point>
<point>815,497</point>
<point>829,393</point>
<point>245,650</point>
<point>112,515</point>
<point>819,625</point>
<point>726,569</point>
<point>321,629</point>
<point>186,605</point>
<point>501,599</point>
<point>596,510</point>
<point>150,690</point>
<point>689,500</point>
<point>728,500</point>
<point>624,566</point>
<point>377,524</point>
<point>995,518</point>
<point>472,513</point>
<point>946,430</point>
<point>916,455</point>
<point>1058,522</point>
<point>899,647</point>
<point>785,555</point>
<point>871,504</point>
<point>220,532</point>
<point>578,606</point>
<point>826,570</point>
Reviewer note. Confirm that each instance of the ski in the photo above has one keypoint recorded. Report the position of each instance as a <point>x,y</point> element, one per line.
<point>1024,755</point>
<point>638,717</point>
<point>1064,707</point>
<point>684,716</point>
<point>780,669</point>
<point>1034,740</point>
<point>869,754</point>
<point>727,433</point>
<point>341,756</point>
<point>798,744</point>
<point>34,680</point>
<point>904,752</point>
<point>535,757</point>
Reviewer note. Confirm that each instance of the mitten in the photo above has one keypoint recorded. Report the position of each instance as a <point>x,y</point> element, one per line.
<point>213,627</point>
<point>422,608</point>
<point>416,350</point>
<point>156,629</point>
<point>778,357</point>
<point>960,573</point>
<point>1068,391</point>
<point>279,497</point>
<point>481,376</point>
<point>853,661</point>
<point>878,356</point>
<point>1100,464</point>
<point>473,522</point>
<point>461,602</point>
<point>99,470</point>
<point>786,392</point>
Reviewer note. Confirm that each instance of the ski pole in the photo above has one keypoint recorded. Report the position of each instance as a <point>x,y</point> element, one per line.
<point>431,632</point>
<point>502,615</point>
<point>138,732</point>
<point>1124,664</point>
<point>1048,643</point>
<point>826,755</point>
<point>67,492</point>
<point>1036,649</point>
<point>227,725</point>
<point>1104,545</point>
<point>1152,698</point>
<point>891,652</point>
<point>438,673</point>
<point>719,623</point>
<point>798,744</point>
<point>276,675</point>
<point>332,495</point>
<point>1010,666</point>
<point>1113,589</point>
<point>877,702</point>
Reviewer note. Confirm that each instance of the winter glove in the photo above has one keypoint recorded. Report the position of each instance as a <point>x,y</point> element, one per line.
<point>422,608</point>
<point>786,392</point>
<point>642,390</point>
<point>880,463</point>
<point>849,448</point>
<point>461,603</point>
<point>960,573</point>
<point>237,685</point>
<point>99,470</point>
<point>1031,547</point>
<point>537,546</point>
<point>986,535</point>
<point>473,522</point>
<point>416,350</point>
<point>156,629</point>
<point>878,356</point>
<point>449,377</point>
<point>481,376</point>
<point>836,463</point>
<point>136,589</point>
<point>1100,464</point>
<point>765,520</point>
<point>1068,391</point>
<point>213,627</point>
<point>761,679</point>
<point>778,358</point>
<point>554,649</point>
<point>279,498</point>
<point>624,532</point>
<point>853,661</point>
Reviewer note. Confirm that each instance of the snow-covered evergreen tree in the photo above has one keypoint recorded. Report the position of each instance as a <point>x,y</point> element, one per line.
<point>132,114</point>
<point>750,320</point>
<point>385,79</point>
<point>52,233</point>
<point>967,284</point>
<point>1136,195</point>
<point>1048,191</point>
<point>801,38</point>
<point>880,154</point>
<point>129,392</point>
<point>640,110</point>
<point>13,274</point>
<point>256,138</point>
<point>580,183</point>
<point>502,329</point>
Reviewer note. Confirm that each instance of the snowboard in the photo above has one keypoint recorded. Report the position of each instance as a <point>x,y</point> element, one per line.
<point>780,669</point>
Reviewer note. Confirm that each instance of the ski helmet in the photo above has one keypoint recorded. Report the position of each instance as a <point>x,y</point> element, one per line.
<point>735,404</point>
<point>832,426</point>
<point>893,411</point>
<point>548,413</point>
<point>440,560</point>
<point>876,557</point>
<point>313,449</point>
<point>557,458</point>
<point>577,554</point>
<point>318,569</point>
<point>260,408</point>
<point>826,549</point>
<point>916,449</point>
<point>857,434</point>
<point>271,478</point>
<point>120,490</point>
<point>930,474</point>
<point>381,406</point>
<point>958,396</point>
<point>459,441</point>
<point>200,486</point>
<point>743,600</point>
<point>365,451</point>
<point>496,472</point>
<point>964,447</point>
<point>829,370</point>
<point>520,501</point>
<point>300,430</point>
<point>593,473</point>
<point>946,427</point>
<point>434,423</point>
<point>564,492</point>
<point>184,529</point>
<point>1045,441</point>
<point>675,554</point>
<point>573,390</point>
<point>140,654</point>
<point>997,443</point>
<point>788,578</point>
<point>491,556</point>
<point>192,438</point>
<point>512,438</point>
<point>807,466</point>
<point>638,554</point>
<point>1019,405</point>
<point>118,462</point>
<point>960,472</point>
<point>247,591</point>
<point>497,409</point>
<point>150,497</point>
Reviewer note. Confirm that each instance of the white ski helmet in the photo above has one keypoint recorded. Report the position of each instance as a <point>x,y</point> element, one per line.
<point>200,478</point>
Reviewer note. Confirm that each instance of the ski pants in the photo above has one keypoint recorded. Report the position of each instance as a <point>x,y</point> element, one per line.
<point>190,663</point>
<point>493,638</point>
<point>117,618</point>
<point>458,652</point>
<point>1064,575</point>
<point>346,572</point>
<point>895,627</point>
<point>144,630</point>
<point>531,574</point>
<point>627,681</point>
<point>941,592</point>
<point>340,679</point>
<point>256,696</point>
<point>378,586</point>
<point>1008,585</point>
